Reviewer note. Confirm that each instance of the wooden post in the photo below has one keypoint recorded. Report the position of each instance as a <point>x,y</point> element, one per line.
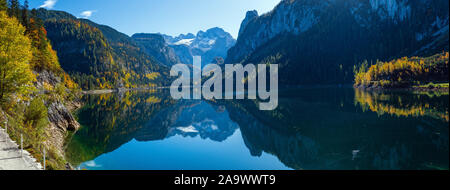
<point>44,158</point>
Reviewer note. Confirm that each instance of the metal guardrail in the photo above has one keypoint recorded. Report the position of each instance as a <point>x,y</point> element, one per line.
<point>6,140</point>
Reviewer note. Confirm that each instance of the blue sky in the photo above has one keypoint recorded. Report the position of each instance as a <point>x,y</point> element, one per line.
<point>171,17</point>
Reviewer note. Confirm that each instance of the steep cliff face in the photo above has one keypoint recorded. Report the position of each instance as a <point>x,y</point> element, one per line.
<point>59,111</point>
<point>321,40</point>
<point>61,123</point>
<point>248,17</point>
<point>288,16</point>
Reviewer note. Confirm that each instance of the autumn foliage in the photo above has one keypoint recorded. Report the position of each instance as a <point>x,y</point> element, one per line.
<point>15,53</point>
<point>403,72</point>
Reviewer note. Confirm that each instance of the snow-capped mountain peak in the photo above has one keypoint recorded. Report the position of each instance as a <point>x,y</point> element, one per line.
<point>186,42</point>
<point>204,40</point>
<point>209,44</point>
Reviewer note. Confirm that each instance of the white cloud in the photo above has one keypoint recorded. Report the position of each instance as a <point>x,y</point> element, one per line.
<point>92,164</point>
<point>87,14</point>
<point>49,4</point>
<point>189,129</point>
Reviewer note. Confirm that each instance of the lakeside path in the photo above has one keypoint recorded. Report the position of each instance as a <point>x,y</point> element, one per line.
<point>10,155</point>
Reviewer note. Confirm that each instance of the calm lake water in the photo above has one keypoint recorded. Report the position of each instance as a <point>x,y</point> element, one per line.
<point>312,128</point>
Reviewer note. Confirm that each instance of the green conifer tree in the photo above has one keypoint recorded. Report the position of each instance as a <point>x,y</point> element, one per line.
<point>3,5</point>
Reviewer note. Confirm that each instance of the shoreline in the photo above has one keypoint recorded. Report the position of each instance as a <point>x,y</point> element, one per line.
<point>416,89</point>
<point>107,91</point>
<point>378,88</point>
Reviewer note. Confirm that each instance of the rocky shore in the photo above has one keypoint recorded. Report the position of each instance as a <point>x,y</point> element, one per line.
<point>61,120</point>
<point>61,123</point>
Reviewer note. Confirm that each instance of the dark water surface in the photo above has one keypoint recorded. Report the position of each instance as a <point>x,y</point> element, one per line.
<point>312,128</point>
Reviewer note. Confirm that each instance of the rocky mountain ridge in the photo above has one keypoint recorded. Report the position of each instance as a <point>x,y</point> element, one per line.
<point>322,40</point>
<point>209,44</point>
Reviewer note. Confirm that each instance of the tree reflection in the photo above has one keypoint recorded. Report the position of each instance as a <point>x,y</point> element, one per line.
<point>111,120</point>
<point>312,128</point>
<point>324,129</point>
<point>404,104</point>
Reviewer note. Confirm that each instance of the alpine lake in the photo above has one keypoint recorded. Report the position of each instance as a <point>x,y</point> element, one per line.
<point>313,128</point>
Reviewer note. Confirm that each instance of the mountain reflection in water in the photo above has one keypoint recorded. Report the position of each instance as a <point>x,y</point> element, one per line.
<point>312,128</point>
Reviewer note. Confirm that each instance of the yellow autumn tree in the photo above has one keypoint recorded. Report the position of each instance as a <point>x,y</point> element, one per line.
<point>15,53</point>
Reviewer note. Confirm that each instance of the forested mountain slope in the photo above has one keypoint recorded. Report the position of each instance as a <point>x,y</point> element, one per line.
<point>319,41</point>
<point>98,56</point>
